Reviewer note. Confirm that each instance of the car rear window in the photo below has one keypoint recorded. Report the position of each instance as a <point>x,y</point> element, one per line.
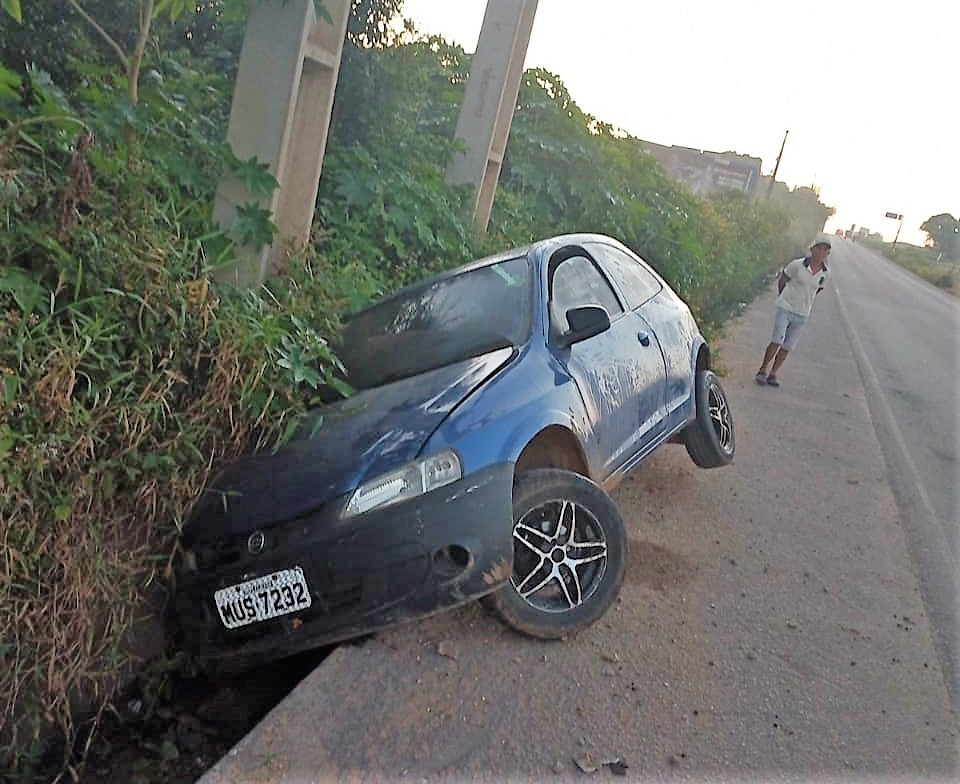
<point>438,323</point>
<point>636,282</point>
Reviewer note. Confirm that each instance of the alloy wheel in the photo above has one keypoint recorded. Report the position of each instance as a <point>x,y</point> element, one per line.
<point>560,556</point>
<point>720,417</point>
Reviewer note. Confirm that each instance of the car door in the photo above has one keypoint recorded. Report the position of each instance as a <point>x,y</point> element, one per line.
<point>619,373</point>
<point>666,315</point>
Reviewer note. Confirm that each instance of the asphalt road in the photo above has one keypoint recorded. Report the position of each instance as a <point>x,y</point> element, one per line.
<point>906,339</point>
<point>909,331</point>
<point>772,624</point>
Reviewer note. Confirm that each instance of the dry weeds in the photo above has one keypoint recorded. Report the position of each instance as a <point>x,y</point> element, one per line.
<point>70,584</point>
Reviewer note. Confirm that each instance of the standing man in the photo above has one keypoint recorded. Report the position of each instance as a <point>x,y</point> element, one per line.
<point>799,282</point>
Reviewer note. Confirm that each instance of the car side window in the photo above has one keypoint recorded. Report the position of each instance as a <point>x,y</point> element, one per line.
<point>576,283</point>
<point>636,282</point>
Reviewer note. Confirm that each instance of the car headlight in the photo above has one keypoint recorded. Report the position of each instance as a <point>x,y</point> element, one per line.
<point>409,481</point>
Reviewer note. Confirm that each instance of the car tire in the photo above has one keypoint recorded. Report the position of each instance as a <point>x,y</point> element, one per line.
<point>570,546</point>
<point>710,438</point>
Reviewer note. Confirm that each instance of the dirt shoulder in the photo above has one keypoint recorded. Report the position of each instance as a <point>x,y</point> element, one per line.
<point>770,626</point>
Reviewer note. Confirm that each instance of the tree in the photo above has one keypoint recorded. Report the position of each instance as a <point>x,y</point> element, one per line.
<point>943,232</point>
<point>369,23</point>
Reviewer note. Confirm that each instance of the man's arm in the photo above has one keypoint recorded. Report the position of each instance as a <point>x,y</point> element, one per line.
<point>787,273</point>
<point>782,279</point>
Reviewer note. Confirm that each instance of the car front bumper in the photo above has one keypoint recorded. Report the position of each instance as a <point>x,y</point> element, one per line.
<point>364,573</point>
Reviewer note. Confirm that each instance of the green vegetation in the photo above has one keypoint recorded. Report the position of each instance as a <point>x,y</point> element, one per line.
<point>923,262</point>
<point>127,375</point>
<point>943,233</point>
<point>802,204</point>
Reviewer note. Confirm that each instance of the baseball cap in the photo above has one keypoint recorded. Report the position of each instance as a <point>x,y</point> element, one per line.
<point>821,241</point>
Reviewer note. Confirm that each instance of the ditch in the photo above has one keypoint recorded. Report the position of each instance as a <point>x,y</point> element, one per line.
<point>172,725</point>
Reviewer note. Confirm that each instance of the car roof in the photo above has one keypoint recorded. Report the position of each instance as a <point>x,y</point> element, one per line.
<point>534,250</point>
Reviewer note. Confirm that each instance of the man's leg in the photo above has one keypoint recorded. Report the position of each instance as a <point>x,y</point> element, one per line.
<point>768,355</point>
<point>780,322</point>
<point>779,359</point>
<point>794,325</point>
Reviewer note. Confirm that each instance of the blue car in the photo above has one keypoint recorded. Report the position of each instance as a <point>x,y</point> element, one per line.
<point>497,405</point>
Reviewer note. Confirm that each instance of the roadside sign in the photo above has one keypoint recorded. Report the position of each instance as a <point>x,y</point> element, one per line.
<point>894,216</point>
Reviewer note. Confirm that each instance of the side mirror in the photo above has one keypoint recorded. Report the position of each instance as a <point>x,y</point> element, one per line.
<point>584,323</point>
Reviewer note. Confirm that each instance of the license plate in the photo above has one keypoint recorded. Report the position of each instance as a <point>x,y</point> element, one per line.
<point>270,596</point>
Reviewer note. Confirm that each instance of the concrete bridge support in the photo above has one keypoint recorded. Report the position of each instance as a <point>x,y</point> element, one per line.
<point>282,104</point>
<point>280,115</point>
<point>491,97</point>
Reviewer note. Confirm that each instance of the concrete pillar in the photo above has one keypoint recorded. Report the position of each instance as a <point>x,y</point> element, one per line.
<point>282,101</point>
<point>490,99</point>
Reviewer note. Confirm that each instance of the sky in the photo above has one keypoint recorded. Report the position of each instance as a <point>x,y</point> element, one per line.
<point>868,91</point>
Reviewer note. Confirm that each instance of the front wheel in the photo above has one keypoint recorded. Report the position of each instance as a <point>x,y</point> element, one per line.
<point>709,438</point>
<point>569,555</point>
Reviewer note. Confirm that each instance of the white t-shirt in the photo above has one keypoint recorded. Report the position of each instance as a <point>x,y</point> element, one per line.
<point>797,296</point>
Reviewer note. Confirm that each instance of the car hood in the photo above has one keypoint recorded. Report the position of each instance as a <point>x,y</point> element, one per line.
<point>337,447</point>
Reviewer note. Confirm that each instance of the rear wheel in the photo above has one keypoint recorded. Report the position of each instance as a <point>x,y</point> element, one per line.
<point>709,439</point>
<point>569,555</point>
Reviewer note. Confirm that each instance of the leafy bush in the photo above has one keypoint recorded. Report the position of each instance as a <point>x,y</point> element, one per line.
<point>126,379</point>
<point>567,171</point>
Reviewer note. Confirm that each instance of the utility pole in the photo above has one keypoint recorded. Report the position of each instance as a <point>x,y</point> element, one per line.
<point>773,177</point>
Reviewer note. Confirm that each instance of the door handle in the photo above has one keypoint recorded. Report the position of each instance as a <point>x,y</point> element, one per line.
<point>644,338</point>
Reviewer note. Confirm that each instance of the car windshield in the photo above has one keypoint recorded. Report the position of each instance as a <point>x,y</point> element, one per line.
<point>438,323</point>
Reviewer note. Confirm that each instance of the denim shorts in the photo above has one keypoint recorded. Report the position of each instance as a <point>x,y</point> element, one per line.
<point>786,328</point>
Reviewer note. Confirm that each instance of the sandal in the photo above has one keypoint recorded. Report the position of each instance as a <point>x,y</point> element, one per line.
<point>772,381</point>
<point>761,378</point>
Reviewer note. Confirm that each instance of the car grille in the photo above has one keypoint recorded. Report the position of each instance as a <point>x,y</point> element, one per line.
<point>231,549</point>
<point>223,551</point>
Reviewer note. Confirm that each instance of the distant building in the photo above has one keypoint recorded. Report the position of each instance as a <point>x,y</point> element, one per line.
<point>706,172</point>
<point>861,233</point>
